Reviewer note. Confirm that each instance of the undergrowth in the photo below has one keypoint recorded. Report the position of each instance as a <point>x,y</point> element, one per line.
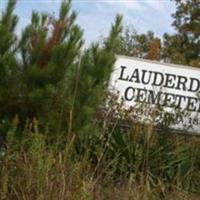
<point>137,163</point>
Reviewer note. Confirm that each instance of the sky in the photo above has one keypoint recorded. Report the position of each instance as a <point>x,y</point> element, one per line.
<point>96,16</point>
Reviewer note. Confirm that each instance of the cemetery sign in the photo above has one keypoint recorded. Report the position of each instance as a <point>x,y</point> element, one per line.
<point>140,81</point>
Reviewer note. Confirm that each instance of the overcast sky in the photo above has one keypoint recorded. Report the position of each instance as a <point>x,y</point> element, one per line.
<point>96,16</point>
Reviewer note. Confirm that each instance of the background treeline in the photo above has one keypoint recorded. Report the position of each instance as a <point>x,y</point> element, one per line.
<point>59,138</point>
<point>181,48</point>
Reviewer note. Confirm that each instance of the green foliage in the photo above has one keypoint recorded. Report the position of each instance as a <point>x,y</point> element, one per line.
<point>8,63</point>
<point>34,167</point>
<point>53,73</point>
<point>49,49</point>
<point>8,23</point>
<point>62,137</point>
<point>139,45</point>
<point>184,46</point>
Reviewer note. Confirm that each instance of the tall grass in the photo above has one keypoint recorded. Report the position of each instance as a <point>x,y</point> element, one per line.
<point>133,163</point>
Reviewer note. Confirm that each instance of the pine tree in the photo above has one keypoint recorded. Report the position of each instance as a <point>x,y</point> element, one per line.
<point>9,72</point>
<point>92,84</point>
<point>49,49</point>
<point>59,84</point>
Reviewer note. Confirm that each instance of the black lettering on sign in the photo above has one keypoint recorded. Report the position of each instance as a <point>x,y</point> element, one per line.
<point>135,76</point>
<point>158,79</point>
<point>129,93</point>
<point>169,81</point>
<point>122,74</point>
<point>194,85</point>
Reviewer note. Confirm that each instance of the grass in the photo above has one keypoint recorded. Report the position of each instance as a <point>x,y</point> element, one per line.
<point>137,163</point>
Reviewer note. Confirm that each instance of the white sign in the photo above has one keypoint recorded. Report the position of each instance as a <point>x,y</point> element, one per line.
<point>139,81</point>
